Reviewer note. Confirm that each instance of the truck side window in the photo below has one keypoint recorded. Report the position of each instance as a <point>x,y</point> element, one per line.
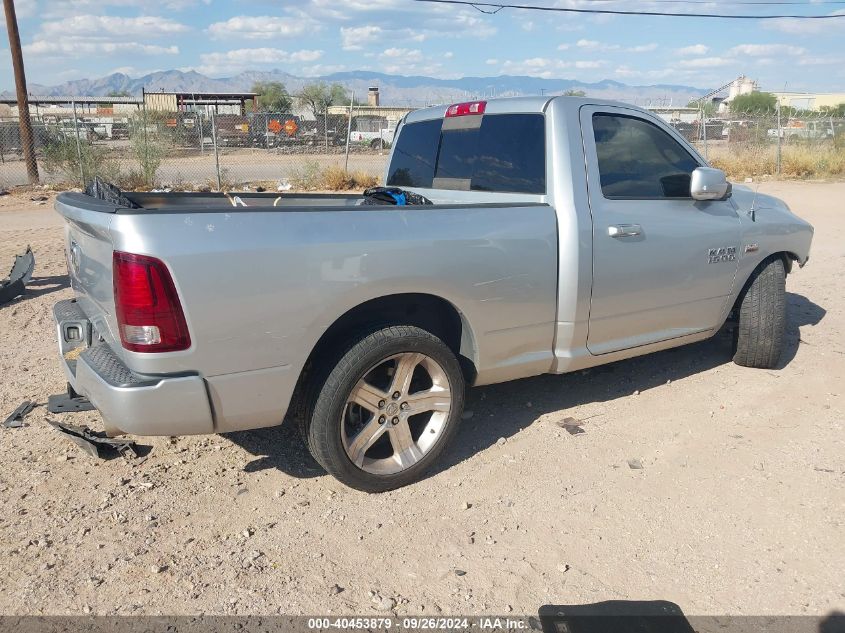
<point>638,160</point>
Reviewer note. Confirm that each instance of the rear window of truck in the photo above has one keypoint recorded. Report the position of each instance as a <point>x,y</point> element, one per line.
<point>506,153</point>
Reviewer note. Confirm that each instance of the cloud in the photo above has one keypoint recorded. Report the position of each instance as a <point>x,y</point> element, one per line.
<point>808,27</point>
<point>244,58</point>
<point>103,26</point>
<point>626,72</point>
<point>86,35</point>
<point>642,48</point>
<point>593,45</point>
<point>706,62</point>
<point>419,21</point>
<point>354,38</point>
<point>547,68</point>
<point>404,54</point>
<point>821,61</point>
<point>694,49</point>
<point>60,9</point>
<point>584,64</point>
<point>74,47</point>
<point>766,50</point>
<point>262,27</point>
<point>318,70</point>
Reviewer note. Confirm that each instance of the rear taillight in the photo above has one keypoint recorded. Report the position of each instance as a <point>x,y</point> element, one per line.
<point>463,109</point>
<point>149,314</point>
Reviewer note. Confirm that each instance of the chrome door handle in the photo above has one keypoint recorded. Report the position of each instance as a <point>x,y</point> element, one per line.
<point>624,230</point>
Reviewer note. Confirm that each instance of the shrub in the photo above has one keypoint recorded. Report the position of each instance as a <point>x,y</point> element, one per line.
<point>336,178</point>
<point>306,176</point>
<point>149,146</point>
<point>363,180</point>
<point>797,161</point>
<point>80,161</point>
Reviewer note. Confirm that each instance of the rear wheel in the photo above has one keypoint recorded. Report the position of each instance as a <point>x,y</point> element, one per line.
<point>387,409</point>
<point>761,326</point>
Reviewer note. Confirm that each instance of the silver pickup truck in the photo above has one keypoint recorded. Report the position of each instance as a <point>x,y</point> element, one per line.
<point>564,233</point>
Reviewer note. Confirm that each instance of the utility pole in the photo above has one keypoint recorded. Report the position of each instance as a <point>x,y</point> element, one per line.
<point>20,87</point>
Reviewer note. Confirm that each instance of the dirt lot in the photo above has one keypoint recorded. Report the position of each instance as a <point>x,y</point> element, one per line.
<point>738,507</point>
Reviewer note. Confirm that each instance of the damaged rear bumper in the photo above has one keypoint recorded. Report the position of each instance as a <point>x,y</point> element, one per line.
<point>128,402</point>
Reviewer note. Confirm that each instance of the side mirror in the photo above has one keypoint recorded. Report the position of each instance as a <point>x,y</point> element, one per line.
<point>708,183</point>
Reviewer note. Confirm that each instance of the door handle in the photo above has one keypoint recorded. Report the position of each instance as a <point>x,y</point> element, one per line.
<point>624,230</point>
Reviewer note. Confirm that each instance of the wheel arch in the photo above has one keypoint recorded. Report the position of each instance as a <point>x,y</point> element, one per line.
<point>787,257</point>
<point>429,312</point>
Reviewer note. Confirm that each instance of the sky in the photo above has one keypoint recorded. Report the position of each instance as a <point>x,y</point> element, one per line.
<point>73,39</point>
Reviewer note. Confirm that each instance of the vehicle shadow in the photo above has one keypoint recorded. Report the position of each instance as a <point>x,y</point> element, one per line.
<point>800,311</point>
<point>45,285</point>
<point>502,410</point>
<point>662,616</point>
<point>615,616</point>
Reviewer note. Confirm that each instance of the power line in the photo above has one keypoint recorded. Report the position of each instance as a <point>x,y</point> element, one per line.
<point>728,3</point>
<point>493,8</point>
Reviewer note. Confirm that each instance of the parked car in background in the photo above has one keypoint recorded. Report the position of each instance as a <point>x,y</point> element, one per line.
<point>375,131</point>
<point>801,129</point>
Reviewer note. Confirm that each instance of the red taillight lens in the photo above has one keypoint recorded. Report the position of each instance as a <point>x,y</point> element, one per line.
<point>149,314</point>
<point>463,109</point>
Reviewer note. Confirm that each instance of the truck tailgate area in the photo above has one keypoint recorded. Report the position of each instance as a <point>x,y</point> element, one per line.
<point>128,402</point>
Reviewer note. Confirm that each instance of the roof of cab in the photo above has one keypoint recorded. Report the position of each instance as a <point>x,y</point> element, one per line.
<point>511,105</point>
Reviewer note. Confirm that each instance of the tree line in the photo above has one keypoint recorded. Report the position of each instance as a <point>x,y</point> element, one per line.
<point>272,96</point>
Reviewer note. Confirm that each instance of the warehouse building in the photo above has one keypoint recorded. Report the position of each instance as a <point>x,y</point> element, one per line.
<point>814,101</point>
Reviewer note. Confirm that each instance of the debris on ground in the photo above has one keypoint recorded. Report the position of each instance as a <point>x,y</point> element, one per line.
<point>635,464</point>
<point>571,426</point>
<point>67,403</point>
<point>21,274</point>
<point>39,198</point>
<point>97,444</point>
<point>15,420</point>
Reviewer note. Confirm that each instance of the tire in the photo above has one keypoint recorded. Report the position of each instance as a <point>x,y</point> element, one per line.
<point>762,316</point>
<point>360,432</point>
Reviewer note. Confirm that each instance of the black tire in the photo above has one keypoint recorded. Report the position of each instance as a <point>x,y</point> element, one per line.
<point>762,316</point>
<point>331,389</point>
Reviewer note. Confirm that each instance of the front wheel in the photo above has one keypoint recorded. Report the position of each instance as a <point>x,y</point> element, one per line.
<point>761,328</point>
<point>387,409</point>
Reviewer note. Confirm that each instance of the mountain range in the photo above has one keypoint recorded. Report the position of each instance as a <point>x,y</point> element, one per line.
<point>395,89</point>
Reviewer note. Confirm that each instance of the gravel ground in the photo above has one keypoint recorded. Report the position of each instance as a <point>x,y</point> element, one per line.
<point>696,481</point>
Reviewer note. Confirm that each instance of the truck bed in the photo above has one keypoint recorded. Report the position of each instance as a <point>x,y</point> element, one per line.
<point>212,202</point>
<point>259,285</point>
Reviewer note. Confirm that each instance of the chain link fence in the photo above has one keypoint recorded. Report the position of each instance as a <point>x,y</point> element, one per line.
<point>802,145</point>
<point>149,149</point>
<point>202,150</point>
